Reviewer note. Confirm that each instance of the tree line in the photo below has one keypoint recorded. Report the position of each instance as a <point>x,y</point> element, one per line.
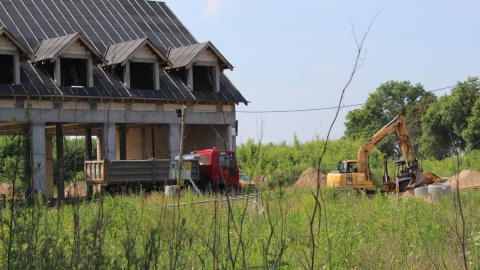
<point>439,127</point>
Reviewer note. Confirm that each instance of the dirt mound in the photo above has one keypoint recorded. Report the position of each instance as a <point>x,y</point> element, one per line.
<point>81,190</point>
<point>259,179</point>
<point>6,189</point>
<point>466,179</point>
<point>309,179</point>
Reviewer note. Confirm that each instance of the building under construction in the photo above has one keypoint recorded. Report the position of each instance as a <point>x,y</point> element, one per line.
<point>118,70</point>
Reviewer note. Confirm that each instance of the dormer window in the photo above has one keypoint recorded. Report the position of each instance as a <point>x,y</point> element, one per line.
<point>69,72</point>
<point>69,60</point>
<point>136,63</point>
<point>11,52</point>
<point>199,66</point>
<point>7,73</point>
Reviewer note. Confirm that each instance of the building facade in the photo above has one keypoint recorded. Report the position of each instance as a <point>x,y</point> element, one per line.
<point>119,70</point>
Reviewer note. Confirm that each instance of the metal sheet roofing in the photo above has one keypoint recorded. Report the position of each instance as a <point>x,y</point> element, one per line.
<point>52,48</point>
<point>185,56</point>
<point>44,26</point>
<point>121,53</point>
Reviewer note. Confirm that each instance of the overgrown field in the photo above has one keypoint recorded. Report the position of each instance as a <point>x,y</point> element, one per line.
<point>286,229</point>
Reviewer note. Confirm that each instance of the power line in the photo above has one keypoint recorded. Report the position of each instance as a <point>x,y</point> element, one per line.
<point>328,108</point>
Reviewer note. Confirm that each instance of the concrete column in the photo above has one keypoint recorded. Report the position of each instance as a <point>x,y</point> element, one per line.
<point>109,141</point>
<point>88,144</point>
<point>174,140</point>
<point>39,158</point>
<point>231,137</point>
<point>60,160</point>
<point>49,163</point>
<point>90,72</point>
<point>99,148</point>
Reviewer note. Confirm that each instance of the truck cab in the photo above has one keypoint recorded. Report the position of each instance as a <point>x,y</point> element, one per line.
<point>218,167</point>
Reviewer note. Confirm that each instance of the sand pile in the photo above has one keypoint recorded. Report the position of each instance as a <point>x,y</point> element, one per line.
<point>308,179</point>
<point>466,179</point>
<point>81,190</point>
<point>7,190</point>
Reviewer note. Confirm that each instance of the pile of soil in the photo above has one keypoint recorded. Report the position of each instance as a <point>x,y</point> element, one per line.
<point>7,190</point>
<point>81,190</point>
<point>259,179</point>
<point>308,179</point>
<point>466,179</point>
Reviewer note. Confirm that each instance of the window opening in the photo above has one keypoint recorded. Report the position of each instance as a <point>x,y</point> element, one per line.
<point>73,72</point>
<point>118,71</point>
<point>6,69</point>
<point>204,78</point>
<point>141,76</point>
<point>207,159</point>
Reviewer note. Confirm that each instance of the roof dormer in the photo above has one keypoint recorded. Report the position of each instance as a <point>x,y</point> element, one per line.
<point>69,59</point>
<point>11,53</point>
<point>199,66</point>
<point>136,63</point>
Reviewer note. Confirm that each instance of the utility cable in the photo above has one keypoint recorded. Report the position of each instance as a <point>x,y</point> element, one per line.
<point>328,108</point>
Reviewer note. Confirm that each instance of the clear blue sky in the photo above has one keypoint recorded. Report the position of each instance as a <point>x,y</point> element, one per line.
<point>294,55</point>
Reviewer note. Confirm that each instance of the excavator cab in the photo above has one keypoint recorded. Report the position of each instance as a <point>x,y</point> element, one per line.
<point>347,166</point>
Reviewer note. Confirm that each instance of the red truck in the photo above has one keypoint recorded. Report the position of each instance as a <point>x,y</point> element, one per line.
<point>218,167</point>
<point>209,167</point>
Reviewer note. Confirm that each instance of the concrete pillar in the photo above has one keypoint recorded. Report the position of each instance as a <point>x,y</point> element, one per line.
<point>109,141</point>
<point>88,144</point>
<point>39,158</point>
<point>60,160</point>
<point>99,148</point>
<point>49,164</point>
<point>174,140</point>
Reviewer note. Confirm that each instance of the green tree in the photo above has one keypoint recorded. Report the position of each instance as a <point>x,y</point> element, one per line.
<point>414,116</point>
<point>451,123</point>
<point>388,100</point>
<point>471,134</point>
<point>437,140</point>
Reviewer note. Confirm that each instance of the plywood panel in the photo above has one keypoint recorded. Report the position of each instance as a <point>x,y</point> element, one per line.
<point>6,44</point>
<point>77,48</point>
<point>207,55</point>
<point>145,52</point>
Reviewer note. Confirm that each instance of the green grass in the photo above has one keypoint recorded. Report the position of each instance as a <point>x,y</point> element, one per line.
<point>142,232</point>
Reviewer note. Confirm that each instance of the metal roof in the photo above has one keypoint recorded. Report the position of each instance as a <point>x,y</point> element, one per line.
<point>21,48</point>
<point>121,53</point>
<point>46,26</point>
<point>52,48</point>
<point>185,56</point>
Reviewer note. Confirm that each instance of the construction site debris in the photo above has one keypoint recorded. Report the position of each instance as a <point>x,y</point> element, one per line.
<point>309,179</point>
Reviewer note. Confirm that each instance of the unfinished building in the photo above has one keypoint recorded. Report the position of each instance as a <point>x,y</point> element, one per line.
<point>119,70</point>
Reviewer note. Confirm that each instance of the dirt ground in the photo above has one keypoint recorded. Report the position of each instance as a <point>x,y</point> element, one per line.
<point>308,179</point>
<point>81,190</point>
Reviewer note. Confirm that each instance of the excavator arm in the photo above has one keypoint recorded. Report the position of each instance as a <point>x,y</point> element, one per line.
<point>397,124</point>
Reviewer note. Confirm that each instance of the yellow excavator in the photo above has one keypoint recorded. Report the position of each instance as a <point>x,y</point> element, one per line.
<point>355,174</point>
